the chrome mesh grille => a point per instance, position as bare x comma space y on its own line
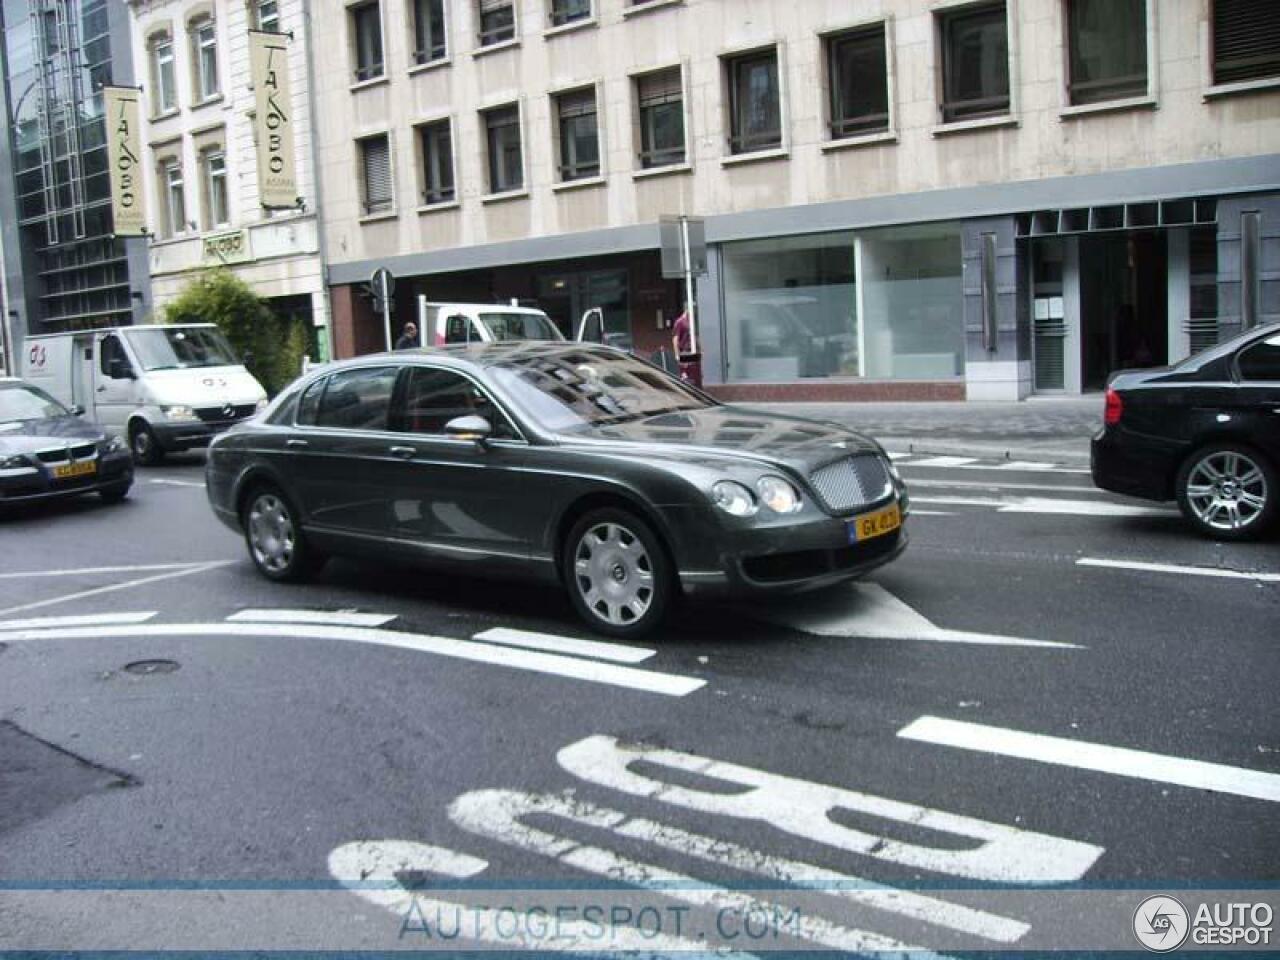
851, 483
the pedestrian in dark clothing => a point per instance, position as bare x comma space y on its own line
408, 337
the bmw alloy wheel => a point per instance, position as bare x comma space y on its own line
1226, 491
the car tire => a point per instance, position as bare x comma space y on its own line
115, 494
143, 444
1228, 491
617, 572
274, 538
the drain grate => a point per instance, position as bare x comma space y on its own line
145, 668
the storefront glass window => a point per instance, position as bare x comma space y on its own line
791, 308
881, 304
912, 302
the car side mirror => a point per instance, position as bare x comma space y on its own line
471, 427
77, 410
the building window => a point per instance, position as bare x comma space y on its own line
436, 140
569, 11
755, 110
216, 209
266, 15
366, 34
1107, 42
1246, 40
175, 204
428, 31
660, 98
579, 134
502, 136
975, 62
375, 168
497, 21
166, 83
204, 54
858, 75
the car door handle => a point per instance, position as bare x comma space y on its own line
296, 444
404, 453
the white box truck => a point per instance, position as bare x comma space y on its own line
444, 323
164, 387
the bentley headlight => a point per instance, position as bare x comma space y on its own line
179, 413
733, 498
778, 495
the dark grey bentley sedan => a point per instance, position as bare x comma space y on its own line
574, 464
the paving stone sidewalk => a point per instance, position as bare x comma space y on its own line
1054, 429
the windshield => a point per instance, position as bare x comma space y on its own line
520, 326
590, 387
28, 403
176, 348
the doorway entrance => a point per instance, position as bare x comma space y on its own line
1123, 304
567, 296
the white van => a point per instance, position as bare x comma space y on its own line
442, 323
164, 387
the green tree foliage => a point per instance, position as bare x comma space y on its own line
273, 345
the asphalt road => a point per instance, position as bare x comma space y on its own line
351, 729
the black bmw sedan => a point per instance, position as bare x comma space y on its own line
1205, 432
47, 451
574, 464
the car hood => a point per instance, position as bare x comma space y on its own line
204, 386
732, 433
30, 435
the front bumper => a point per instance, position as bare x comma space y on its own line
114, 470
175, 437
807, 553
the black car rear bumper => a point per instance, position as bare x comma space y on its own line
1130, 463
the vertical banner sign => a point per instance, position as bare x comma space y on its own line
124, 151
269, 64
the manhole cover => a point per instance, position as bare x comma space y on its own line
147, 667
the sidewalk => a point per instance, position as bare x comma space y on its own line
1052, 429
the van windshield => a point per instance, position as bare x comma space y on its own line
520, 326
177, 348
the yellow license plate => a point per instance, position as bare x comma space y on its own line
875, 524
69, 470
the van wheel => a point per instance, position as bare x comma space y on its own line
145, 447
617, 572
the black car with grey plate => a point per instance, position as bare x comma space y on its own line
570, 463
1205, 432
47, 451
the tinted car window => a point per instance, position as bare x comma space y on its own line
433, 397
358, 399
309, 403
28, 403
1261, 361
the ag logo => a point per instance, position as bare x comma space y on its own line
1160, 923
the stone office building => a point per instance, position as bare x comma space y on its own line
976, 199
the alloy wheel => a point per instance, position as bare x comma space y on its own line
1227, 490
614, 574
271, 534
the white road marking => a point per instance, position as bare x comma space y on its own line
931, 513
1012, 466
177, 483
554, 643
1050, 506
990, 851
1083, 755
82, 571
944, 462
869, 610
496, 814
631, 678
77, 621
346, 618
1172, 568
200, 568
896, 455
1028, 465
370, 870
1000, 485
